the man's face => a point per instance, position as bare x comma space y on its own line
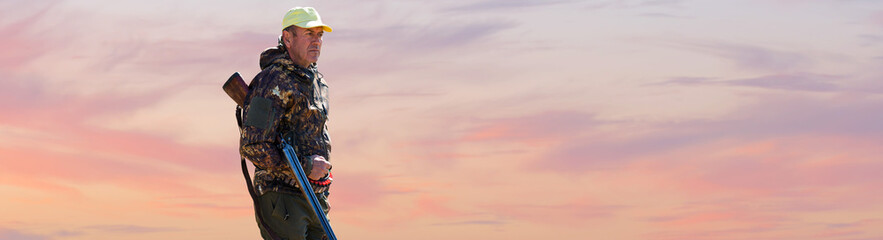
304, 45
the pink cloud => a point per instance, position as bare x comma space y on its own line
128, 228
64, 118
204, 204
57, 145
17, 46
572, 213
877, 18
776, 169
434, 205
353, 191
232, 51
51, 168
765, 188
756, 222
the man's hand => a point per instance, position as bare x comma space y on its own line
320, 167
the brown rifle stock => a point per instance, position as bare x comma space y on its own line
236, 88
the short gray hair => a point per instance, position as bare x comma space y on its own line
289, 29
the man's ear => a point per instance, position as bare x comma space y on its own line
287, 38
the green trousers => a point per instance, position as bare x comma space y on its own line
290, 216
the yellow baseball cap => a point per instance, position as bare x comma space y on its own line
305, 17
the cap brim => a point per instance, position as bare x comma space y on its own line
312, 24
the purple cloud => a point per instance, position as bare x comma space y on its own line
803, 82
490, 5
231, 51
407, 40
754, 57
12, 234
594, 153
543, 125
627, 4
791, 115
796, 82
662, 16
868, 40
773, 116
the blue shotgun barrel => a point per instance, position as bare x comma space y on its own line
307, 188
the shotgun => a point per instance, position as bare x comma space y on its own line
236, 88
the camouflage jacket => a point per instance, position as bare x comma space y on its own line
285, 99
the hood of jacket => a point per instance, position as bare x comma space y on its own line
278, 56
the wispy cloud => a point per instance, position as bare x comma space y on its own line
771, 117
662, 15
358, 191
756, 58
444, 124
490, 5
477, 222
793, 82
566, 214
17, 46
632, 4
134, 229
184, 55
759, 187
805, 82
870, 39
877, 18
410, 40
12, 234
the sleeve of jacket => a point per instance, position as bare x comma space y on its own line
262, 117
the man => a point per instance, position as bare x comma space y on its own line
289, 99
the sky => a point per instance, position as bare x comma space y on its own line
496, 119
